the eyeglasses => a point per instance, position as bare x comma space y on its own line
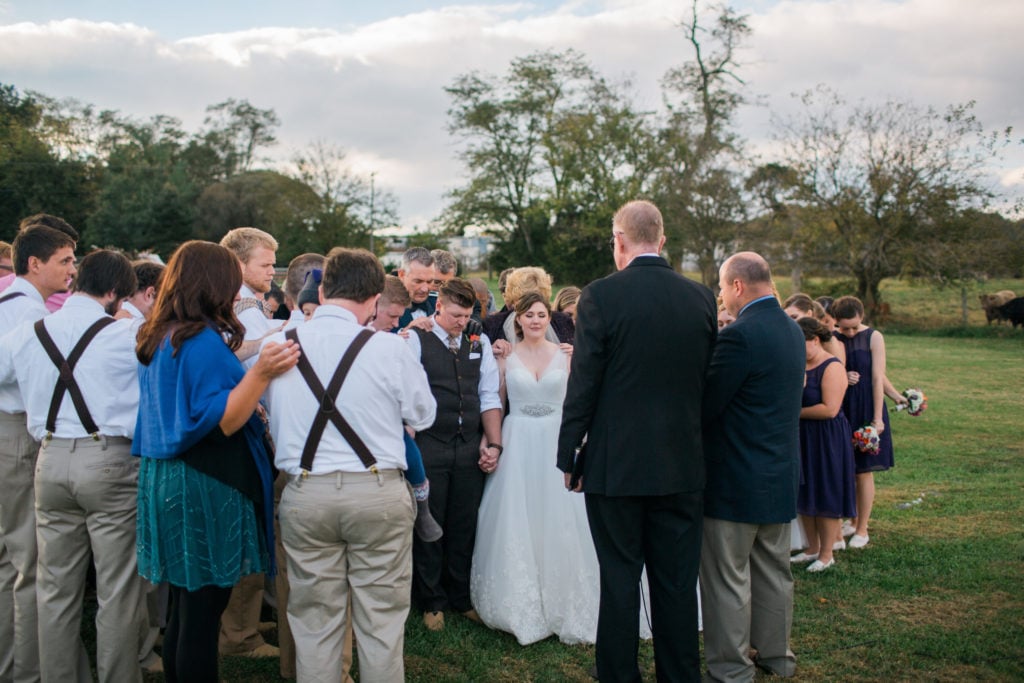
611, 240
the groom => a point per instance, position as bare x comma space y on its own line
643, 343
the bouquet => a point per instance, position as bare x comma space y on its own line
916, 403
866, 440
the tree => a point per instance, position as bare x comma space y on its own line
146, 196
551, 150
892, 178
699, 187
33, 177
235, 130
350, 206
285, 207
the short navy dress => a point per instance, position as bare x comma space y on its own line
859, 405
826, 458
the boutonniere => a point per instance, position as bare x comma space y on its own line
474, 343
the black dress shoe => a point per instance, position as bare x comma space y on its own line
593, 672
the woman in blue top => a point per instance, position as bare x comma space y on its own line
205, 483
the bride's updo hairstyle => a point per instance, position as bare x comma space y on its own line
525, 303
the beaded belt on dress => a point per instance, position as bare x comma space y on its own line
537, 409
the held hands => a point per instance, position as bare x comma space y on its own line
488, 457
276, 359
501, 348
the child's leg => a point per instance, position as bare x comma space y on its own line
426, 526
415, 475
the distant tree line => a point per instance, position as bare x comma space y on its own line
150, 185
862, 190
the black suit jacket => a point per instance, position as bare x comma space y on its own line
752, 418
643, 343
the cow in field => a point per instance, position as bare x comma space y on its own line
991, 303
1013, 311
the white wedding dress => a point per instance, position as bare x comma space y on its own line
535, 572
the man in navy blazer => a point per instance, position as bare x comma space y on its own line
752, 449
642, 347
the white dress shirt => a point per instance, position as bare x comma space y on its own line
487, 387
107, 373
295, 318
385, 387
13, 314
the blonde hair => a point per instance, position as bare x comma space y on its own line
5, 249
567, 297
243, 241
527, 279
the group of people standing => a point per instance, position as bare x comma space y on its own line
396, 442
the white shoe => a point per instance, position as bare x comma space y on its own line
858, 541
848, 529
839, 545
819, 566
802, 557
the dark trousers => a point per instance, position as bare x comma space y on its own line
441, 569
193, 627
663, 532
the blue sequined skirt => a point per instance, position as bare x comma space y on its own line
193, 530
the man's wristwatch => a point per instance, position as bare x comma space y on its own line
496, 445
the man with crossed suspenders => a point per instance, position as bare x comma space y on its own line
78, 376
347, 513
44, 261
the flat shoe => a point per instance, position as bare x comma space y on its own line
819, 566
839, 545
848, 529
858, 541
803, 557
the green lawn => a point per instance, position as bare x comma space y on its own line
935, 596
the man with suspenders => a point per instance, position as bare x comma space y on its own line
347, 513
78, 375
44, 261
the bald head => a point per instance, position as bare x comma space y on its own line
743, 277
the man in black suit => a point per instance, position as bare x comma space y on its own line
643, 343
752, 444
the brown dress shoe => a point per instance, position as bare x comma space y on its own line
434, 621
264, 650
472, 616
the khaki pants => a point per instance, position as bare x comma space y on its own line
746, 591
86, 492
348, 535
18, 614
239, 625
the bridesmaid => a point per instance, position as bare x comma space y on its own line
864, 403
826, 454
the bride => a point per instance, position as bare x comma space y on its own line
534, 570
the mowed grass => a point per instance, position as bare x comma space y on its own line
936, 595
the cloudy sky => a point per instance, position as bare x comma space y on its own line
369, 76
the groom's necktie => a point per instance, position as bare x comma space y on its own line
453, 344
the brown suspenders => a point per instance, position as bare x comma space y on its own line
66, 377
328, 408
13, 295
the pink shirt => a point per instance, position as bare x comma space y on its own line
54, 303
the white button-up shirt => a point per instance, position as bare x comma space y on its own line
487, 387
107, 373
385, 387
14, 313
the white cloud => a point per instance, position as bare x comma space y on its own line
377, 89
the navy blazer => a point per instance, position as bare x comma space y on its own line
643, 343
752, 417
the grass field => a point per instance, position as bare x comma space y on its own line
936, 596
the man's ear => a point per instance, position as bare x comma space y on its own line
150, 293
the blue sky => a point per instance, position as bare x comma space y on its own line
369, 76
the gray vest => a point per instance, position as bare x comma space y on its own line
454, 382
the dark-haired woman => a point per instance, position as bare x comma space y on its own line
205, 488
826, 454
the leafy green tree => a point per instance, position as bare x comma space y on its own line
283, 206
235, 130
33, 177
